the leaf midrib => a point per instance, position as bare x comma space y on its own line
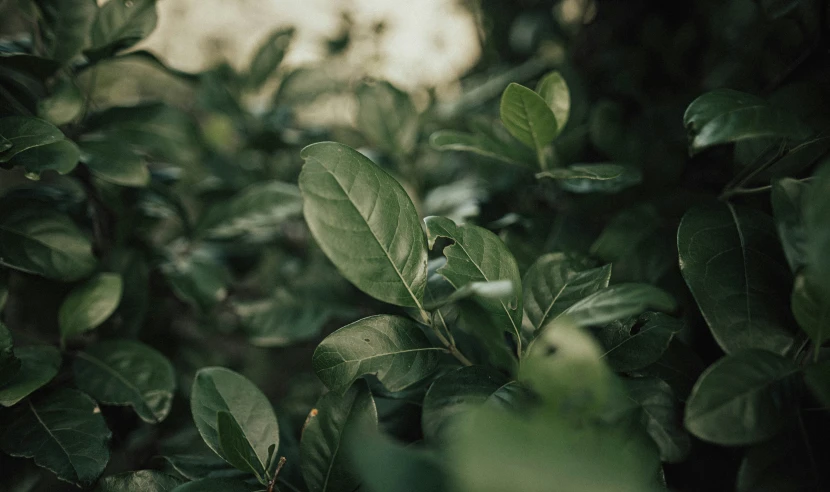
744, 394
54, 438
118, 376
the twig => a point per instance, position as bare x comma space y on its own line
273, 481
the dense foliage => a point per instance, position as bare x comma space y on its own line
604, 266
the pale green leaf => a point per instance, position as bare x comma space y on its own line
139, 481
527, 117
90, 304
554, 90
594, 178
619, 301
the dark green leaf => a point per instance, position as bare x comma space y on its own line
817, 227
554, 283
64, 26
527, 117
9, 363
387, 117
779, 8
283, 320
481, 144
592, 178
787, 197
5, 144
64, 105
90, 304
365, 223
817, 377
236, 448
637, 342
731, 260
661, 415
215, 390
811, 311
478, 255
64, 433
61, 156
25, 133
554, 90
325, 463
119, 25
216, 485
782, 464
743, 398
268, 57
197, 277
114, 163
385, 465
725, 115
679, 366
139, 481
452, 396
619, 301
255, 214
38, 365
390, 347
125, 372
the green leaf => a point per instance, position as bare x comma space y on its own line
139, 481
125, 372
365, 223
817, 227
390, 347
120, 24
554, 90
454, 395
387, 117
64, 433
255, 214
679, 366
64, 105
638, 342
5, 144
725, 115
25, 133
619, 301
64, 26
731, 260
236, 448
817, 377
660, 414
545, 452
385, 465
784, 463
46, 244
527, 117
90, 304
61, 156
478, 255
811, 312
215, 390
325, 463
743, 398
216, 485
38, 365
114, 163
482, 144
787, 197
9, 363
268, 57
197, 277
283, 320
594, 178
554, 283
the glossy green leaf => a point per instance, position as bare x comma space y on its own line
365, 223
25, 133
64, 104
268, 57
731, 260
64, 433
215, 390
661, 416
236, 448
619, 301
61, 156
387, 117
725, 115
478, 255
527, 117
452, 396
45, 244
282, 320
594, 178
551, 454
390, 347
637, 342
787, 197
9, 363
743, 398
126, 372
482, 144
554, 283
386, 465
325, 462
554, 90
64, 26
120, 24
811, 311
90, 304
197, 277
255, 214
139, 481
114, 163
38, 365
216, 485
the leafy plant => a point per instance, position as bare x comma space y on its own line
572, 295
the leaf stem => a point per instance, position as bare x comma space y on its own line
273, 481
450, 346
